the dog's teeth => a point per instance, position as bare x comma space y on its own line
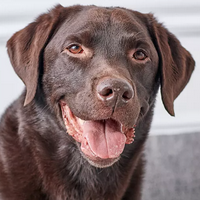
80, 121
122, 128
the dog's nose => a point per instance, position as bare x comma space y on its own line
114, 91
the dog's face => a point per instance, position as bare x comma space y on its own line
100, 73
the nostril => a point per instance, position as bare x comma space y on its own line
126, 96
106, 92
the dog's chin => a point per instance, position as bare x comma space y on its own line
102, 163
100, 142
98, 162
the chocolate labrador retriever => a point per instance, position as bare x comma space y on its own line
78, 130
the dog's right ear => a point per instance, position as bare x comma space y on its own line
176, 63
26, 46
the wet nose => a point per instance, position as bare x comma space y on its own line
114, 91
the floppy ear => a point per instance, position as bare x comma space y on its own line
176, 63
26, 46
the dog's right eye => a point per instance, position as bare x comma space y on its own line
75, 49
140, 55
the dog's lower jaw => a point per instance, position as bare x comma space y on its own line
98, 162
104, 163
100, 142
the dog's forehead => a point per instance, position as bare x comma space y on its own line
102, 15
99, 18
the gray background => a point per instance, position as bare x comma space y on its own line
174, 144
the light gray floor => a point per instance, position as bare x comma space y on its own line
173, 167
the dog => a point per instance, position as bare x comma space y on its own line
78, 130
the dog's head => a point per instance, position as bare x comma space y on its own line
99, 70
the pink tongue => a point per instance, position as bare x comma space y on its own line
103, 139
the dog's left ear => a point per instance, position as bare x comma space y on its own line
176, 63
25, 48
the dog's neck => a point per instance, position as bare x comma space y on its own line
70, 166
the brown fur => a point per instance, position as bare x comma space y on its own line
38, 159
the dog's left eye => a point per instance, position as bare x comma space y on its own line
75, 49
140, 55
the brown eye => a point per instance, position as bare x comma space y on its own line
75, 49
139, 55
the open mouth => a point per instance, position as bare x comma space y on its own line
101, 141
